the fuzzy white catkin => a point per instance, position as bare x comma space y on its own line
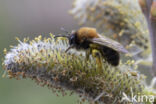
46, 62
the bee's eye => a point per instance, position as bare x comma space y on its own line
72, 39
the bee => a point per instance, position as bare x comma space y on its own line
88, 38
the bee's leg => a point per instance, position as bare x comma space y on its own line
88, 52
96, 53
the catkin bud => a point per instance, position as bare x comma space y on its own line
142, 4
153, 11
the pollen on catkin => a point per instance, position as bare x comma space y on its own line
121, 20
45, 61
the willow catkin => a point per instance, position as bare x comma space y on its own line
121, 20
45, 61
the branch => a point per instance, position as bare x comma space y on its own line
149, 9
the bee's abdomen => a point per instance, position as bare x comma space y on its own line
111, 56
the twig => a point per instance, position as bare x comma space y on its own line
146, 9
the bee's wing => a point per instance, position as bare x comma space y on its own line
104, 41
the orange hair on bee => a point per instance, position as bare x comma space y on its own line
86, 32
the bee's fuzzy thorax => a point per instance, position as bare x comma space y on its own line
87, 32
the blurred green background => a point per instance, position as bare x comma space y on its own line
30, 18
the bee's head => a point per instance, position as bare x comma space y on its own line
72, 37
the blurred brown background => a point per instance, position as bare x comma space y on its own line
30, 18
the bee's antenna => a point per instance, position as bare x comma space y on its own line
61, 35
63, 29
